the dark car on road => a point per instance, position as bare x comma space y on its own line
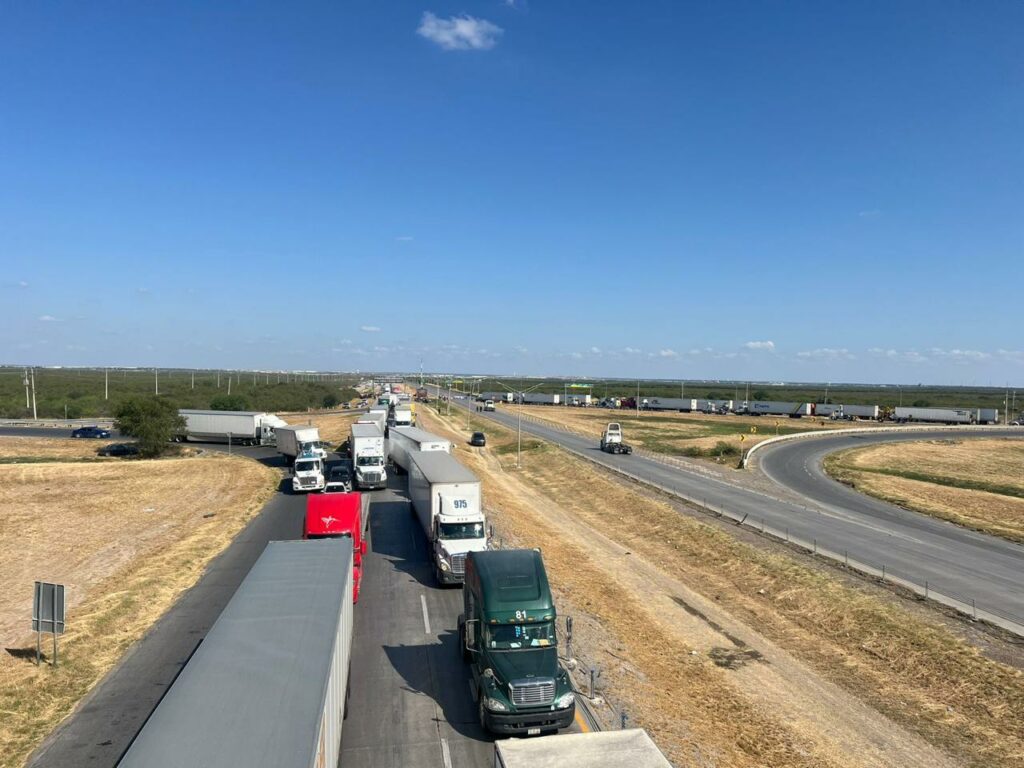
119, 449
339, 481
478, 439
91, 432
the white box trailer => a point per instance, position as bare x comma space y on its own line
987, 416
240, 427
498, 397
777, 408
933, 415
378, 418
292, 441
403, 441
447, 500
403, 416
539, 398
369, 456
666, 404
631, 748
266, 687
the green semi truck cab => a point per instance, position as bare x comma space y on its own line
507, 634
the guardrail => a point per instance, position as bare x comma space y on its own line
56, 423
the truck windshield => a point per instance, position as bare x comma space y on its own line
328, 535
512, 637
461, 530
369, 461
305, 466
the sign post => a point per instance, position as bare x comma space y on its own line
47, 615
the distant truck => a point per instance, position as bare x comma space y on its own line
446, 498
776, 408
611, 440
488, 405
239, 427
631, 748
366, 444
403, 416
267, 685
309, 473
336, 516
538, 398
404, 441
422, 395
507, 634
904, 415
293, 441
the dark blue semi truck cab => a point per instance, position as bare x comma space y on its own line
507, 634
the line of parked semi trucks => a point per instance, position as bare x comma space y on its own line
899, 414
269, 684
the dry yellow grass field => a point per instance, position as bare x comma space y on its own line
977, 483
51, 448
825, 673
112, 531
334, 427
695, 435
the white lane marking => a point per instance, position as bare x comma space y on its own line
426, 618
446, 755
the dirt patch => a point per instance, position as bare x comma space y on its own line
977, 483
842, 678
126, 538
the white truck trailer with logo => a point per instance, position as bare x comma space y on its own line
292, 441
369, 456
631, 748
776, 408
267, 686
404, 441
447, 500
239, 427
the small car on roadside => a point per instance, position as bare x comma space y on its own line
91, 432
479, 439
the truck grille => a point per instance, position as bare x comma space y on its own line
459, 564
371, 477
307, 481
528, 693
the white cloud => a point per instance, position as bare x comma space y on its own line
369, 329
22, 284
870, 214
595, 350
521, 350
404, 238
826, 353
633, 351
960, 355
142, 291
48, 319
576, 355
459, 33
768, 346
667, 353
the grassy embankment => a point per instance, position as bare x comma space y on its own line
127, 537
977, 483
913, 671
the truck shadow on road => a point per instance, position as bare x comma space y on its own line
396, 535
436, 669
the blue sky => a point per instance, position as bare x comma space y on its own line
801, 191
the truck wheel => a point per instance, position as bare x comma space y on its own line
481, 712
462, 640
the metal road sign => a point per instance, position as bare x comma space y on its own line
48, 608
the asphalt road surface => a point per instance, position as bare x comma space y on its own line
958, 562
411, 703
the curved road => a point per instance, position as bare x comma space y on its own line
963, 565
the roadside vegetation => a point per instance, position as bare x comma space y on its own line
735, 654
977, 483
127, 537
81, 390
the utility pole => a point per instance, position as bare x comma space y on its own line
24, 380
193, 379
156, 381
218, 379
638, 397
32, 373
106, 384
229, 384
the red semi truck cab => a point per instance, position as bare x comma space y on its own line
333, 515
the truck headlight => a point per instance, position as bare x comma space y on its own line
495, 705
565, 700
443, 565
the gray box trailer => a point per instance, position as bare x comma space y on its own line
666, 403
240, 427
538, 398
403, 441
266, 687
379, 418
934, 415
631, 748
987, 416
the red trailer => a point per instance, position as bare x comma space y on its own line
332, 516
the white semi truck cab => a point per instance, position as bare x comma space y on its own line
309, 473
368, 457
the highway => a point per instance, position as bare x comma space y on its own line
955, 561
411, 703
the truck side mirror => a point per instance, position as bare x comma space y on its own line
471, 634
362, 547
